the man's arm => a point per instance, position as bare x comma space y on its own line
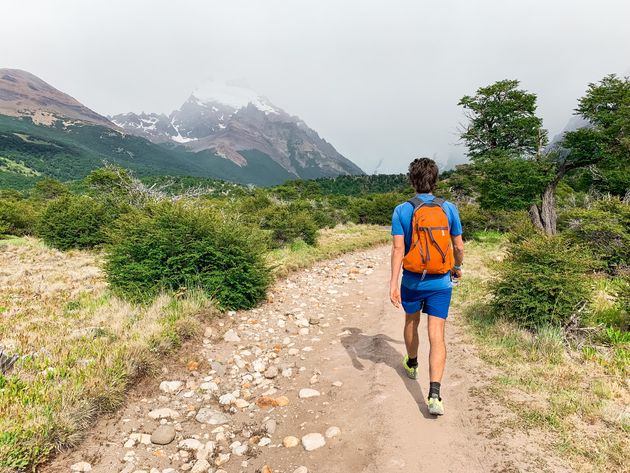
398, 252
458, 253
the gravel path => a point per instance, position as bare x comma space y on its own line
308, 382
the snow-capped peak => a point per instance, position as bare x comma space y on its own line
233, 96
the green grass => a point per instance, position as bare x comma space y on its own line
575, 393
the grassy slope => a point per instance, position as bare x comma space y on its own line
87, 346
68, 153
579, 397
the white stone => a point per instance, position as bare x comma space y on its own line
163, 413
210, 386
263, 442
231, 336
81, 466
190, 444
210, 416
332, 432
306, 393
227, 399
313, 441
290, 441
201, 466
170, 387
301, 469
259, 365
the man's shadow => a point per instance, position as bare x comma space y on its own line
377, 349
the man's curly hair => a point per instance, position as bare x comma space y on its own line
423, 175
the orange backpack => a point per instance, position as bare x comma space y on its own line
430, 251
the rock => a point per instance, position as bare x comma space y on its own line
306, 393
222, 459
208, 332
281, 401
239, 450
263, 442
210, 386
313, 441
313, 320
170, 387
270, 426
266, 469
81, 466
231, 336
241, 403
227, 399
210, 416
301, 469
189, 444
163, 435
271, 372
290, 441
337, 384
332, 432
294, 351
259, 365
163, 413
201, 466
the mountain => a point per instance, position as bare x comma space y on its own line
24, 95
45, 132
234, 123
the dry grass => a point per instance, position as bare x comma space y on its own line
579, 403
332, 243
81, 347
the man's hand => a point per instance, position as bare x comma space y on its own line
457, 273
394, 296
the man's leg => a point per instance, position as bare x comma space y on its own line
437, 348
411, 334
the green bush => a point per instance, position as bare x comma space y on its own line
75, 222
542, 282
604, 229
17, 217
287, 224
375, 209
476, 220
170, 246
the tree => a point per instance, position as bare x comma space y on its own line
605, 144
502, 116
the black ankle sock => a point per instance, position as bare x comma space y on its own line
412, 362
434, 389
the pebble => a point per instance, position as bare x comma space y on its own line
201, 466
301, 469
270, 426
170, 387
163, 413
332, 432
81, 467
313, 441
189, 444
306, 393
163, 435
290, 441
231, 336
337, 384
271, 372
210, 416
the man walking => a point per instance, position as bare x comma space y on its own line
427, 243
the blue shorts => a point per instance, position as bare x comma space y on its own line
434, 303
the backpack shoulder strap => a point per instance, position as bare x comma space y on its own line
439, 201
416, 202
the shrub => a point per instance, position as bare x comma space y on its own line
375, 209
604, 229
475, 220
542, 282
75, 222
287, 224
17, 217
169, 246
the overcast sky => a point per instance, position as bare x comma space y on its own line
380, 80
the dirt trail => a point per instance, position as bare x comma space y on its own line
326, 325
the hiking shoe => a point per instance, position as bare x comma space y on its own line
436, 406
411, 372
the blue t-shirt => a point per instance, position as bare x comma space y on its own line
401, 225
